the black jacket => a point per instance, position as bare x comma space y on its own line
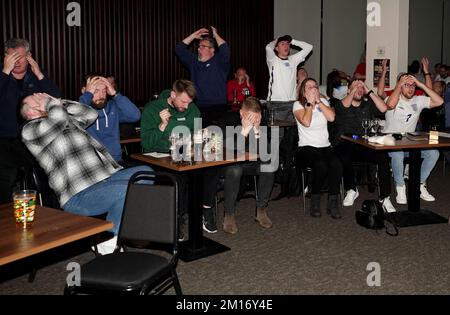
11, 93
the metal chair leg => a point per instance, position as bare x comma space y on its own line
255, 182
303, 192
32, 275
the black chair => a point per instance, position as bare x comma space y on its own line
150, 218
38, 180
305, 172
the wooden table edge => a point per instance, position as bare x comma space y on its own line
63, 241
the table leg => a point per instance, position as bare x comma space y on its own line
197, 246
415, 162
415, 215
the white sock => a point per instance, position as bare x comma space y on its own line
108, 246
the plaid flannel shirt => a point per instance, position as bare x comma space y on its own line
71, 158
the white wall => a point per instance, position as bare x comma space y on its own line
390, 39
301, 20
345, 31
344, 35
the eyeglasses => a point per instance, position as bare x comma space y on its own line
412, 86
204, 46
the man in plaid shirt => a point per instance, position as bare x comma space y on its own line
85, 177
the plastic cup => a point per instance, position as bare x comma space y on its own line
24, 207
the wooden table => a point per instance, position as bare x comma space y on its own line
197, 246
51, 228
131, 139
415, 215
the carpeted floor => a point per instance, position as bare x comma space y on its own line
299, 255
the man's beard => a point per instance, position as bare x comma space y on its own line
100, 103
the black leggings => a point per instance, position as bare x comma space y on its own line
325, 164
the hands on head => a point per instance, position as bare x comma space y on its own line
198, 34
10, 60
14, 59
250, 119
312, 95
358, 84
408, 80
95, 83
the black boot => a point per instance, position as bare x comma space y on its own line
315, 206
333, 208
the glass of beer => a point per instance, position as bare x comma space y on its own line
24, 207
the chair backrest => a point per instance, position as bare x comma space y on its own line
151, 208
37, 179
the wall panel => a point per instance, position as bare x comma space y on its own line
135, 39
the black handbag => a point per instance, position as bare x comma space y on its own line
372, 216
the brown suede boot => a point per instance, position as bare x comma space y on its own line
229, 224
262, 218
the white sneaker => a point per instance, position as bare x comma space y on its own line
406, 172
401, 195
350, 197
387, 205
107, 247
424, 194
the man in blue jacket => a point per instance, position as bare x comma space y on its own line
21, 76
118, 109
209, 71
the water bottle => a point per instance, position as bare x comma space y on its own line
235, 100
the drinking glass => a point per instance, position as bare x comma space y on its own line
365, 125
24, 207
375, 125
174, 146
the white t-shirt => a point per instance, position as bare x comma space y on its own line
283, 73
404, 117
316, 135
446, 80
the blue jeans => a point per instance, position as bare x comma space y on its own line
107, 196
430, 158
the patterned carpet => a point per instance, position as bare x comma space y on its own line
299, 255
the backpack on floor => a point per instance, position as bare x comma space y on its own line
372, 216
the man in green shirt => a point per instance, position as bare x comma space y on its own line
172, 108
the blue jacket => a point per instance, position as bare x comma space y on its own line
11, 94
210, 77
106, 128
